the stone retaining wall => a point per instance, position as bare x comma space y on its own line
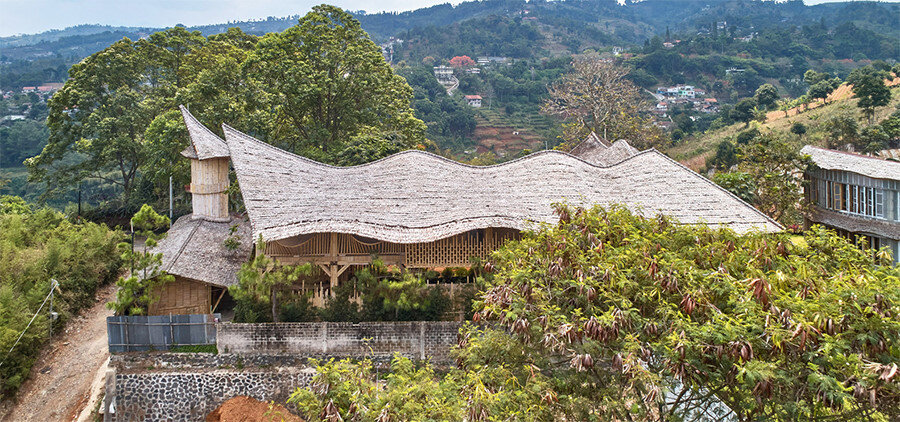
190, 396
417, 340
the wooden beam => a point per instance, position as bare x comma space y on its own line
334, 246
324, 268
221, 295
334, 279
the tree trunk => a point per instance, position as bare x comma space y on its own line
274, 305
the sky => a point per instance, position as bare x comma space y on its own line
33, 16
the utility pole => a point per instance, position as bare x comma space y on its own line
170, 201
53, 286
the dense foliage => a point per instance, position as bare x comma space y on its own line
271, 291
611, 316
35, 246
116, 119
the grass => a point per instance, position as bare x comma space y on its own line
694, 151
203, 348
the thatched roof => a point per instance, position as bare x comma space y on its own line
873, 167
591, 143
204, 143
414, 196
606, 156
856, 224
195, 249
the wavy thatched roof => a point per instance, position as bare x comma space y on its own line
598, 151
873, 167
414, 196
204, 143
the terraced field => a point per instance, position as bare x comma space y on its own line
503, 134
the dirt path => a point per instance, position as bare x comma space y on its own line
61, 380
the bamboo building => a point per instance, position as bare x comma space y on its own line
412, 209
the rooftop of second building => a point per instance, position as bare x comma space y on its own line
874, 167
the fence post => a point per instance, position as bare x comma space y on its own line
125, 335
324, 337
422, 340
171, 333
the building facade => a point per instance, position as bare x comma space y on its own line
856, 195
413, 210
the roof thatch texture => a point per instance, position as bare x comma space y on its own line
414, 196
195, 249
856, 224
204, 143
873, 167
607, 156
591, 143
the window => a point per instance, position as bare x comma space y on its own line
879, 203
853, 199
839, 203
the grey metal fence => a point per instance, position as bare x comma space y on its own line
159, 332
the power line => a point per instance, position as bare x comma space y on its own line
26, 327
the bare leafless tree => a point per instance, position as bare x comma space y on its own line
597, 97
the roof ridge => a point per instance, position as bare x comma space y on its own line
852, 154
184, 244
236, 132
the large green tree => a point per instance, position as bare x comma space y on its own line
320, 88
99, 119
870, 90
325, 82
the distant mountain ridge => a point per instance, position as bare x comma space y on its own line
648, 17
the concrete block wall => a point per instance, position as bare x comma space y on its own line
417, 340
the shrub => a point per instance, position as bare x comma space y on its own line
35, 246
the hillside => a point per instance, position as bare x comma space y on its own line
694, 152
631, 23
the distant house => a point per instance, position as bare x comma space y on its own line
484, 61
473, 100
50, 87
27, 89
664, 124
679, 91
668, 45
856, 195
662, 107
443, 72
473, 71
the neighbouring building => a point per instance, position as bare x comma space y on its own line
679, 91
473, 100
413, 209
443, 73
856, 195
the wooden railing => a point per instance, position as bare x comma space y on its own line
454, 251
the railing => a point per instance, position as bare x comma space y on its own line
159, 332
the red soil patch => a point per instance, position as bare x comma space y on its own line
247, 409
504, 139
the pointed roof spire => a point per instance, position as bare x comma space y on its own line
204, 143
